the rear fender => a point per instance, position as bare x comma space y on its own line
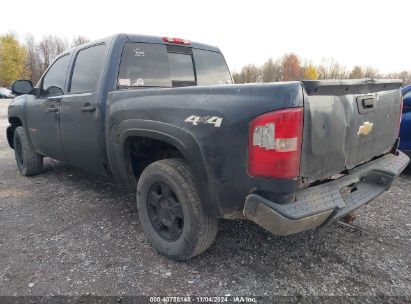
175, 136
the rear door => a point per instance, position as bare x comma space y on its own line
43, 111
80, 112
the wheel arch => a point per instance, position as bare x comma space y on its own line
180, 139
14, 123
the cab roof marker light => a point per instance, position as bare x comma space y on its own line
176, 40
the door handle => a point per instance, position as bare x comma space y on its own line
52, 109
54, 98
88, 108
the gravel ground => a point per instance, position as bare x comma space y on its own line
70, 233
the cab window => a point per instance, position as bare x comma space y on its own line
87, 69
53, 81
211, 68
144, 65
159, 65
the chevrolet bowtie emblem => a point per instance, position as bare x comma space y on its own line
365, 128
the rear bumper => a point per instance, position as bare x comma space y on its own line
328, 202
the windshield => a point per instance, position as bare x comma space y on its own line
158, 65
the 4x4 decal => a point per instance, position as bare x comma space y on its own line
212, 120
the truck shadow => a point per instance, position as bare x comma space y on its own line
407, 170
81, 179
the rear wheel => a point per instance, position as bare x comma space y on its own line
28, 162
170, 212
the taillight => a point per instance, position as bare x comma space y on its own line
275, 144
176, 40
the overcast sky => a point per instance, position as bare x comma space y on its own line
353, 32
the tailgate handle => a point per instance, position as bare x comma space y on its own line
368, 102
365, 104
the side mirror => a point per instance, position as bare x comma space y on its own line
54, 91
20, 87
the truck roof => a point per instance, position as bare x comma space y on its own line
148, 39
139, 38
158, 39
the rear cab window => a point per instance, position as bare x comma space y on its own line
159, 65
211, 68
181, 69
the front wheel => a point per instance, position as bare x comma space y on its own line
170, 212
28, 161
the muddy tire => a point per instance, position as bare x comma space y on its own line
28, 162
170, 212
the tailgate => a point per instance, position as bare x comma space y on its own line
347, 123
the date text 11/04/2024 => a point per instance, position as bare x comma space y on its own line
203, 299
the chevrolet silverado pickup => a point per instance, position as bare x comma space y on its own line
161, 115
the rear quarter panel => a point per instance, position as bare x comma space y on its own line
216, 154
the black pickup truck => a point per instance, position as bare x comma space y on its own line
163, 116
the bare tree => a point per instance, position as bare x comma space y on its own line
249, 74
405, 76
271, 71
79, 40
329, 68
236, 77
49, 48
33, 63
40, 55
370, 72
356, 72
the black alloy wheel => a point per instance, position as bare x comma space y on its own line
165, 212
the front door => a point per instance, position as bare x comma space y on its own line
80, 113
43, 111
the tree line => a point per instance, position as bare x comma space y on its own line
30, 58
290, 67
